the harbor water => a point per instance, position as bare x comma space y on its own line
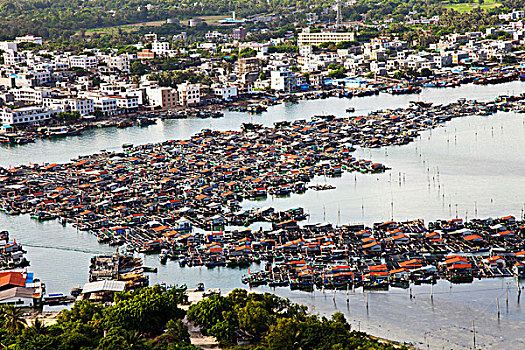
470, 167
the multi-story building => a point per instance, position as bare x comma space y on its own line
262, 48
102, 103
127, 103
215, 36
25, 115
514, 15
247, 65
8, 45
84, 106
306, 37
283, 80
30, 96
189, 94
119, 62
145, 55
224, 91
29, 39
83, 61
11, 58
239, 33
160, 47
162, 97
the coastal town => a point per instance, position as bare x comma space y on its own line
51, 94
194, 202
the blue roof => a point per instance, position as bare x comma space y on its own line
29, 277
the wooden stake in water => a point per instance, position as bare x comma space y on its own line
507, 298
431, 291
473, 335
519, 289
497, 301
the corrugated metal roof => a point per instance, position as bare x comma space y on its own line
104, 286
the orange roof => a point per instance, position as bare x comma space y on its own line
495, 258
460, 266
400, 236
370, 245
377, 267
472, 237
431, 234
455, 259
410, 263
12, 279
378, 273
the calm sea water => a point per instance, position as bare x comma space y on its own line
470, 167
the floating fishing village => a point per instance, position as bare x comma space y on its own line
181, 199
262, 175
254, 104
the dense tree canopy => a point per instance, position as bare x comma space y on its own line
270, 322
145, 319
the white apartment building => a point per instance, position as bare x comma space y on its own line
261, 48
30, 96
283, 80
84, 106
224, 91
162, 97
514, 15
127, 103
11, 58
8, 45
306, 50
40, 76
29, 39
160, 47
119, 62
83, 61
189, 94
106, 104
306, 37
25, 115
110, 89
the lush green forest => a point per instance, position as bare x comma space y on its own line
60, 19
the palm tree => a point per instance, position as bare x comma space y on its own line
38, 327
134, 340
13, 319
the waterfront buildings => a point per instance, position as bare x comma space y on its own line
10, 116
